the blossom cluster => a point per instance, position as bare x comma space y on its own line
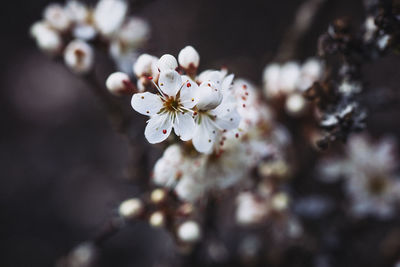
74, 28
290, 80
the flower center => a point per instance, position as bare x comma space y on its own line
172, 104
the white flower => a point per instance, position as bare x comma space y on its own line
119, 83
189, 58
109, 16
171, 108
170, 167
189, 231
289, 76
167, 62
214, 114
311, 71
47, 39
79, 56
57, 17
131, 208
146, 65
134, 32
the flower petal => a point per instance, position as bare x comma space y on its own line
184, 126
204, 135
189, 96
170, 82
158, 128
228, 121
146, 103
227, 83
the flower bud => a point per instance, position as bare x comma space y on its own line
145, 65
289, 76
158, 196
109, 16
189, 58
47, 39
134, 32
167, 62
157, 219
271, 80
79, 56
131, 208
57, 17
189, 232
77, 11
295, 104
119, 83
209, 96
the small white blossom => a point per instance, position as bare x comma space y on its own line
109, 16
146, 65
134, 32
157, 219
189, 58
295, 104
79, 56
131, 208
77, 11
168, 109
250, 209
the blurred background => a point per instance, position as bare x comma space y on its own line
63, 168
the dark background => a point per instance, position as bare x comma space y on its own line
62, 166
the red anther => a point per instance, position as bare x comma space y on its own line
244, 105
244, 86
244, 98
164, 131
237, 135
150, 77
195, 113
246, 93
188, 85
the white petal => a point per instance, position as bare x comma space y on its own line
228, 121
188, 57
170, 82
226, 83
209, 96
158, 128
189, 96
146, 103
184, 126
167, 62
204, 135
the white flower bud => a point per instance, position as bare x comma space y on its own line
189, 58
189, 232
209, 96
289, 76
47, 39
158, 195
119, 83
84, 32
131, 208
167, 62
109, 16
57, 17
79, 56
295, 104
157, 219
145, 65
280, 202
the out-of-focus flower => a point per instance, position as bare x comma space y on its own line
57, 17
47, 39
250, 209
109, 16
79, 56
131, 208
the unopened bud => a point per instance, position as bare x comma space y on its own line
209, 96
189, 232
158, 196
79, 56
157, 219
167, 62
295, 104
145, 65
47, 39
131, 208
189, 58
119, 83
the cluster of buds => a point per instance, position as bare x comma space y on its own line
286, 83
72, 30
161, 209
